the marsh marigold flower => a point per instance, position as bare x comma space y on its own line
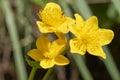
89, 37
53, 19
49, 54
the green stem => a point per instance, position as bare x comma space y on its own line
48, 74
110, 65
82, 67
66, 8
83, 8
32, 73
117, 5
20, 7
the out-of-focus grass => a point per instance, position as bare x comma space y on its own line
69, 7
11, 25
117, 5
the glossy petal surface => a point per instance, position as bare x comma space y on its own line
36, 54
61, 60
89, 37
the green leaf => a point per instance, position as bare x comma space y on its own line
32, 63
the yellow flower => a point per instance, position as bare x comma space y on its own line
63, 37
49, 54
53, 19
89, 37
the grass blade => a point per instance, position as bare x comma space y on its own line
19, 62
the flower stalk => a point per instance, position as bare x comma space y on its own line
32, 73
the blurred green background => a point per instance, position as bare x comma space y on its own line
18, 33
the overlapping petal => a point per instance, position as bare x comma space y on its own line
43, 27
47, 63
64, 27
61, 60
57, 47
36, 54
43, 43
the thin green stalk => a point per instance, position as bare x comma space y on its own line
28, 37
20, 6
117, 5
82, 67
32, 73
110, 65
109, 62
19, 61
83, 8
66, 8
47, 75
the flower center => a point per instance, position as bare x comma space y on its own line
52, 16
48, 55
85, 41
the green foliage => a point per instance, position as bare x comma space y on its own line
33, 64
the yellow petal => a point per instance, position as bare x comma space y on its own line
35, 54
96, 50
75, 30
60, 35
47, 63
43, 27
92, 20
79, 20
57, 47
77, 46
105, 36
43, 43
52, 14
64, 26
51, 5
61, 60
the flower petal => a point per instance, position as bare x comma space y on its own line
105, 36
43, 43
43, 27
35, 54
47, 63
60, 35
74, 30
52, 6
57, 47
92, 20
77, 46
96, 50
61, 60
77, 28
79, 20
64, 26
